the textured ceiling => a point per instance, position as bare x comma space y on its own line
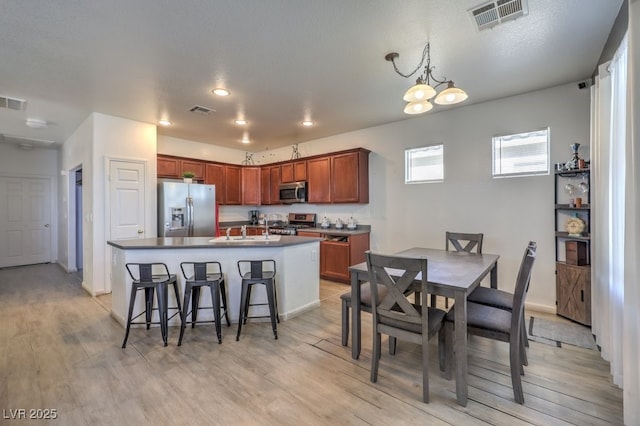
282, 60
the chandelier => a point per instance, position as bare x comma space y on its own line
418, 96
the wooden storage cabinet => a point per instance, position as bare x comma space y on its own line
295, 171
339, 178
573, 292
173, 167
197, 167
573, 252
250, 186
215, 175
168, 167
338, 252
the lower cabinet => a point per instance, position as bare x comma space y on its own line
338, 252
573, 292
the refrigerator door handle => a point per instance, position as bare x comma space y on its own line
190, 216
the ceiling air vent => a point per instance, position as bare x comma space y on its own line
11, 103
201, 110
488, 15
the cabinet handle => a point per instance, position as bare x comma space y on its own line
582, 296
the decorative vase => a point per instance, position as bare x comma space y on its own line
573, 163
188, 180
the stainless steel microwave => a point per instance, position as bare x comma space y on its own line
294, 192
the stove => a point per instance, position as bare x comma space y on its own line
296, 221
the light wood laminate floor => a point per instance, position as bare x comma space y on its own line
60, 349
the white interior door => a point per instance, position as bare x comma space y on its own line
127, 195
25, 221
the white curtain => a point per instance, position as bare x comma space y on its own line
631, 320
615, 136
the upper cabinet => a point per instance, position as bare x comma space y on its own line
173, 167
251, 186
319, 180
215, 175
350, 177
294, 171
341, 177
197, 167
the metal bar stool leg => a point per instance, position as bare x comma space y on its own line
183, 313
195, 305
223, 291
272, 306
243, 308
215, 300
132, 302
162, 292
148, 297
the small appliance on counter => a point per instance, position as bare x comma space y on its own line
253, 216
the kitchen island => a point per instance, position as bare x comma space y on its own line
297, 270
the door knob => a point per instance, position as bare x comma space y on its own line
140, 231
46, 225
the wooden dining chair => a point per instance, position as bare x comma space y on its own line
502, 300
460, 241
398, 318
498, 324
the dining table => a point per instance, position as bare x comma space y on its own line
452, 274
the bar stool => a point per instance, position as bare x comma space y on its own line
257, 272
143, 278
197, 275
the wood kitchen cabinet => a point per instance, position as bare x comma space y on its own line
215, 175
338, 252
294, 171
319, 180
197, 167
350, 177
173, 167
251, 186
339, 178
168, 167
233, 181
228, 182
573, 292
270, 185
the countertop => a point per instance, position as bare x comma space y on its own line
203, 242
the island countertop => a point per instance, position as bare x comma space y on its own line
205, 242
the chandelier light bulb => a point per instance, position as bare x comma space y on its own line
418, 107
419, 92
451, 95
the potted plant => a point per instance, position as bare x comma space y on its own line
188, 177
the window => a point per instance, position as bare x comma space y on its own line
424, 164
521, 154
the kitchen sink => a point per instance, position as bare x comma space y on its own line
248, 239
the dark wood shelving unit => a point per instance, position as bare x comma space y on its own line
573, 281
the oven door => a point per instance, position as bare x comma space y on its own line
295, 192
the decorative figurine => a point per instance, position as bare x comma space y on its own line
574, 162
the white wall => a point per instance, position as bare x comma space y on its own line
98, 139
509, 212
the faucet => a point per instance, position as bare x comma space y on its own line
243, 230
266, 227
228, 233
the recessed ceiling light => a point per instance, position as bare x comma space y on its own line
240, 122
34, 123
307, 123
164, 122
220, 91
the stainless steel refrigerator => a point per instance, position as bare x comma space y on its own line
186, 210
